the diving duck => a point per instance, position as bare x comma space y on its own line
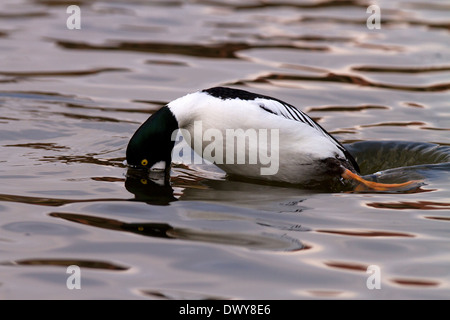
246, 134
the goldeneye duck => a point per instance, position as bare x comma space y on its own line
246, 134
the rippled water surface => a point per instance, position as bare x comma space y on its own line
71, 99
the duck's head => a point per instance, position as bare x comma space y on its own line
152, 144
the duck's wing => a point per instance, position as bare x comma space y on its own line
288, 111
279, 108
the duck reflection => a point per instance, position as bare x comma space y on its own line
153, 188
157, 188
265, 241
158, 230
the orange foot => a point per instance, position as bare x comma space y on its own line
376, 186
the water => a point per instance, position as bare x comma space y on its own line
71, 99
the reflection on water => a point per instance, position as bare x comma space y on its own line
163, 230
369, 233
373, 156
71, 99
150, 191
341, 78
416, 282
66, 263
421, 205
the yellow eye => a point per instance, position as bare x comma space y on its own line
144, 162
144, 181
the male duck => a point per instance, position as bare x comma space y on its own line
301, 151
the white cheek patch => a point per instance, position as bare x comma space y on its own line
159, 166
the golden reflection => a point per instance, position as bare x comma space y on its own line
347, 266
420, 205
366, 233
416, 282
341, 78
438, 218
93, 264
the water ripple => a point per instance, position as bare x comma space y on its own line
91, 264
352, 266
415, 282
419, 205
66, 73
220, 50
366, 233
343, 78
407, 70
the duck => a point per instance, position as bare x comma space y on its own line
247, 135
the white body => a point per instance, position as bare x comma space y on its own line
298, 148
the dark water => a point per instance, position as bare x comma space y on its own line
71, 99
